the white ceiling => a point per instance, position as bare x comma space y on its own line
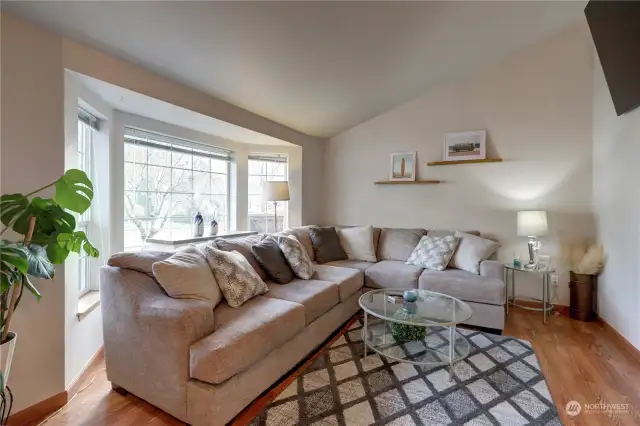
146, 106
318, 67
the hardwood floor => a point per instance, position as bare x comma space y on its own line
585, 362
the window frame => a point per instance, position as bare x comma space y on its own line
85, 153
186, 147
266, 158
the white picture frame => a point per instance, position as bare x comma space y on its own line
465, 146
402, 166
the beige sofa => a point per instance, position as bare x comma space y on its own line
205, 365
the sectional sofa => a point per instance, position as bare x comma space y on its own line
204, 365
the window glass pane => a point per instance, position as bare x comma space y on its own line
255, 204
202, 183
255, 185
180, 227
159, 179
134, 233
135, 177
181, 160
201, 163
181, 205
261, 216
256, 167
219, 184
159, 204
135, 204
135, 153
219, 166
159, 157
181, 180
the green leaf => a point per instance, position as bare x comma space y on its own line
13, 257
32, 288
11, 206
39, 264
74, 191
57, 254
5, 282
77, 241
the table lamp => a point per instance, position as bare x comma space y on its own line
275, 191
532, 224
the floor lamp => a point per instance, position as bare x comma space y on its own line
275, 191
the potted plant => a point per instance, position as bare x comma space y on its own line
48, 234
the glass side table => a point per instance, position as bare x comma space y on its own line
510, 281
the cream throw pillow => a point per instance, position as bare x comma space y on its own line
471, 251
237, 280
187, 275
433, 253
357, 242
296, 256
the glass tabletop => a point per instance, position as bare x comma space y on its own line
430, 308
523, 268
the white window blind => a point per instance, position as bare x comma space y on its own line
168, 180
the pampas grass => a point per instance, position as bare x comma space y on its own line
585, 258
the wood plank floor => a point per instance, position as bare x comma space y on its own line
585, 362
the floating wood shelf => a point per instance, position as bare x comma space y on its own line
449, 163
406, 182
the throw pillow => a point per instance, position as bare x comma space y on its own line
326, 244
270, 257
186, 275
398, 243
141, 261
471, 251
433, 253
297, 257
357, 242
243, 246
237, 280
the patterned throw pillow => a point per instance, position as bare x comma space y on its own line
433, 253
297, 257
237, 280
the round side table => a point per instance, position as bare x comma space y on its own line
510, 281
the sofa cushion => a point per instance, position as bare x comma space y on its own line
141, 261
187, 275
471, 251
392, 274
272, 260
244, 336
326, 244
348, 280
243, 246
464, 285
316, 296
357, 242
237, 280
433, 252
397, 243
353, 264
297, 257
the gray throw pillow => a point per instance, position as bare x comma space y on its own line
271, 259
243, 246
433, 253
398, 243
326, 244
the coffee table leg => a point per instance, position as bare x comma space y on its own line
452, 349
364, 335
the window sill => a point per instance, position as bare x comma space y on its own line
87, 303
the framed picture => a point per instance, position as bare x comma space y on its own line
465, 146
403, 166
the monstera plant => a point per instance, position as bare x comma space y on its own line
47, 229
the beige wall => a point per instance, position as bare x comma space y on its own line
616, 151
536, 107
32, 148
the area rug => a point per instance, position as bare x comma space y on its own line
499, 383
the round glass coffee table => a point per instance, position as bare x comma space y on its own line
421, 333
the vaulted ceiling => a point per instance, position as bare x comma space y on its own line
318, 67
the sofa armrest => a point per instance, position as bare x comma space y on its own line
492, 269
147, 336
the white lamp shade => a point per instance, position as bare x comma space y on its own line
275, 191
532, 223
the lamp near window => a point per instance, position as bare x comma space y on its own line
275, 191
532, 224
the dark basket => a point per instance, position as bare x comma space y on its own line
583, 296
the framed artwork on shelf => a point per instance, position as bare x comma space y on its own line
465, 146
403, 166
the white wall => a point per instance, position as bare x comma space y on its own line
536, 107
616, 151
32, 148
83, 338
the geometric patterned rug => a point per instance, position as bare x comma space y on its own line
499, 383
